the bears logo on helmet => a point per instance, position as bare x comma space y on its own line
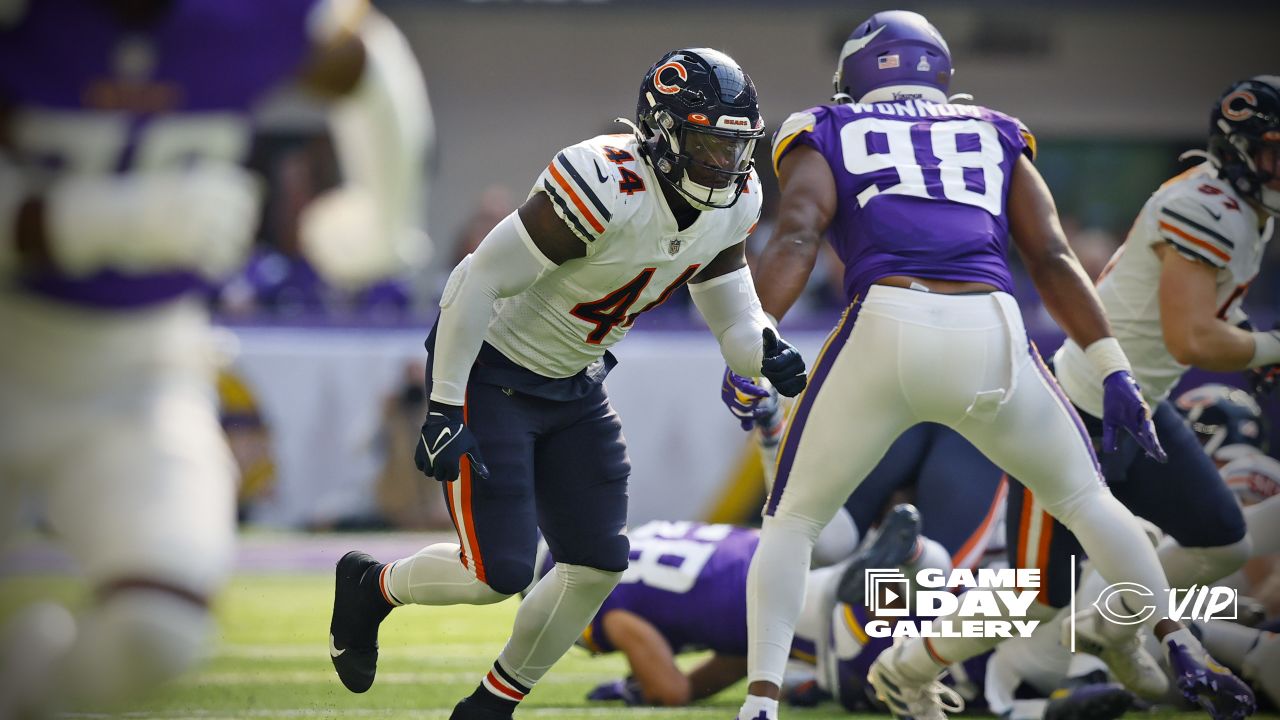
698, 120
1243, 122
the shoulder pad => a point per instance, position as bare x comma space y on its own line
793, 127
582, 187
1201, 220
1029, 138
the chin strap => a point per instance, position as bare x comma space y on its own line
1204, 154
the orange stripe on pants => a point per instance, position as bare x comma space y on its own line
1042, 557
1024, 529
981, 533
464, 477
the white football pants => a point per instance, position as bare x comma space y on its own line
960, 360
108, 420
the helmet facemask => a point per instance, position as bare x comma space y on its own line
708, 166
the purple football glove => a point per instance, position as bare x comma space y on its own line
742, 397
627, 690
1123, 407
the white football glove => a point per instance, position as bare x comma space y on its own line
200, 219
350, 243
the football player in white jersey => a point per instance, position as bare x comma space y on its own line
122, 197
519, 431
1173, 293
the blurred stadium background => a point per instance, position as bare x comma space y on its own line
321, 392
321, 395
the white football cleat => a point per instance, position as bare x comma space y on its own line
1121, 648
907, 699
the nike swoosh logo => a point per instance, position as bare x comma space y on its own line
440, 444
333, 648
1216, 215
600, 173
856, 44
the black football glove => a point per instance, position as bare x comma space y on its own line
783, 365
443, 442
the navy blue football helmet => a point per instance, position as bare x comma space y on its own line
893, 55
698, 121
1227, 420
1243, 123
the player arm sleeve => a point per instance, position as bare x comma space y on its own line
731, 309
505, 263
1188, 226
583, 190
369, 228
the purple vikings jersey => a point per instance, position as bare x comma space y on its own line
921, 187
689, 580
88, 94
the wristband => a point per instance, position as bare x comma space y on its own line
1107, 357
1266, 349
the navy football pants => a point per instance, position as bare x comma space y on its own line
558, 465
1186, 498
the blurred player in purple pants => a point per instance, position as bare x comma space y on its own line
122, 197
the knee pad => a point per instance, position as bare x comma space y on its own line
508, 575
134, 640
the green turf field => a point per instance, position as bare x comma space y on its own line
272, 662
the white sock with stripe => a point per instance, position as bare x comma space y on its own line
550, 619
435, 576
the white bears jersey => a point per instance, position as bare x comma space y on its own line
1203, 218
607, 194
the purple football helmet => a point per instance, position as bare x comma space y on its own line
894, 55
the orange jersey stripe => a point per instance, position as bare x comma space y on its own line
577, 201
1195, 241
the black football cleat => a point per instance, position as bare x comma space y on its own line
358, 609
469, 709
893, 545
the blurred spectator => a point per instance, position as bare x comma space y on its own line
406, 499
495, 202
278, 280
1094, 246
